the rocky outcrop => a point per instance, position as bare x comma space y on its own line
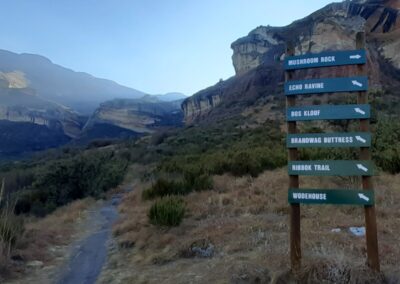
333, 27
22, 105
199, 106
137, 115
229, 98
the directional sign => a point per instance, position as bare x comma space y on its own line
325, 59
326, 85
349, 139
331, 196
319, 112
330, 168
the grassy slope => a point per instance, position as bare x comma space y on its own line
246, 220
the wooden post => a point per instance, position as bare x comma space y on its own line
295, 235
365, 154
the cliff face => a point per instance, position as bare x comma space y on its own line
22, 105
331, 28
136, 115
256, 56
29, 123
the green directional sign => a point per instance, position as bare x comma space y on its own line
331, 196
348, 139
325, 59
323, 112
330, 168
326, 85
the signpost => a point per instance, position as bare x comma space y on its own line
326, 59
319, 112
362, 139
330, 168
350, 139
330, 85
331, 196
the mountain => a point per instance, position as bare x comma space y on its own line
77, 90
170, 97
132, 117
29, 123
63, 106
256, 89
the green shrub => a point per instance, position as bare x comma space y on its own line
163, 187
386, 145
201, 182
244, 163
167, 211
61, 181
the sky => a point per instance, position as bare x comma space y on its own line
155, 46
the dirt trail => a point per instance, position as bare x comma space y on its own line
89, 255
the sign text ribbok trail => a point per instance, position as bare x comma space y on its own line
330, 168
362, 168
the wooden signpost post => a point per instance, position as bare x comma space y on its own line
362, 139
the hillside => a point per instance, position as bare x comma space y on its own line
256, 85
74, 105
78, 90
30, 123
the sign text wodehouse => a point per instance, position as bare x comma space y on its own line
331, 196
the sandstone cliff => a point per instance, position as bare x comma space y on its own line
142, 115
23, 105
256, 56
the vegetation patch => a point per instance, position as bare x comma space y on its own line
167, 211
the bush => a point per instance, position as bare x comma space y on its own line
193, 180
386, 145
62, 181
167, 211
163, 187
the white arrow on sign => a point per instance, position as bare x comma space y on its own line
357, 56
356, 83
363, 196
357, 109
361, 167
362, 140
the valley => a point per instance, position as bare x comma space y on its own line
85, 109
102, 183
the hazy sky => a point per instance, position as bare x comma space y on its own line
155, 46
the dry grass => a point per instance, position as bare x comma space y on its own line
55, 229
246, 219
42, 235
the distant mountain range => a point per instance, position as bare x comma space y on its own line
77, 90
64, 105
